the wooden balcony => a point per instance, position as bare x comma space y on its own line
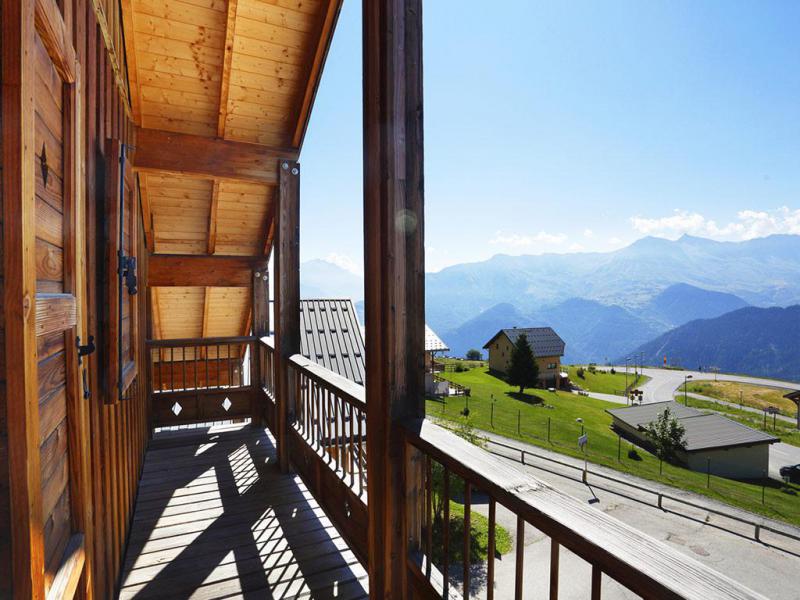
173, 133
216, 518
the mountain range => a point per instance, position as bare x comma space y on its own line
596, 332
603, 304
756, 341
762, 272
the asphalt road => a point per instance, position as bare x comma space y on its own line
665, 382
720, 543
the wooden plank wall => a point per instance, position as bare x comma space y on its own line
5, 546
51, 348
118, 432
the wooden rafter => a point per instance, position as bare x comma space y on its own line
158, 333
130, 57
147, 214
225, 80
204, 330
270, 237
170, 270
317, 59
212, 218
248, 323
208, 158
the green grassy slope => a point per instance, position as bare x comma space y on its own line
527, 417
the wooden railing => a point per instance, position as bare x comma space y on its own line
331, 416
327, 440
642, 564
200, 379
267, 374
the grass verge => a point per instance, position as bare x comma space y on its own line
754, 396
479, 537
549, 420
603, 381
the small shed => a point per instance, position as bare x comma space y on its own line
433, 344
713, 442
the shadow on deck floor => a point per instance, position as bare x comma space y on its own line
215, 518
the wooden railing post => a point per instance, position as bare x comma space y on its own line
394, 278
260, 329
287, 297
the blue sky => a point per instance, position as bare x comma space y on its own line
575, 126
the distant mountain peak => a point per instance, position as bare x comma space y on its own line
770, 348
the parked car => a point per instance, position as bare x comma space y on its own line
791, 472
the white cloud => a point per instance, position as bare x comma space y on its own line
748, 224
345, 262
615, 241
516, 240
576, 247
588, 233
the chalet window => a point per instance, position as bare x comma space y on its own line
121, 286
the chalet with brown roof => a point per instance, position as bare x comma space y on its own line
547, 346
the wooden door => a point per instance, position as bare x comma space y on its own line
59, 321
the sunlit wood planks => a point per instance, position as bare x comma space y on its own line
244, 70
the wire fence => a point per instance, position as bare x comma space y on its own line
611, 449
659, 497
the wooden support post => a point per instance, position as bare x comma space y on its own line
260, 329
287, 296
19, 274
554, 552
394, 276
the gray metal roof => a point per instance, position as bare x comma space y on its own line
544, 341
433, 343
330, 335
704, 431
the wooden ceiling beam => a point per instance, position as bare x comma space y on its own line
317, 61
208, 158
225, 80
171, 270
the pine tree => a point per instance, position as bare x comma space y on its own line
523, 371
667, 435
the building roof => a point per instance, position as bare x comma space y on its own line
433, 343
704, 431
544, 341
330, 335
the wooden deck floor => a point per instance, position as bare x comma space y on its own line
215, 518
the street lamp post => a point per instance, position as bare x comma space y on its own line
627, 360
686, 379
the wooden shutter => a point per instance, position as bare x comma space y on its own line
121, 242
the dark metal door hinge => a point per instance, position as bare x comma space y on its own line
85, 351
127, 270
